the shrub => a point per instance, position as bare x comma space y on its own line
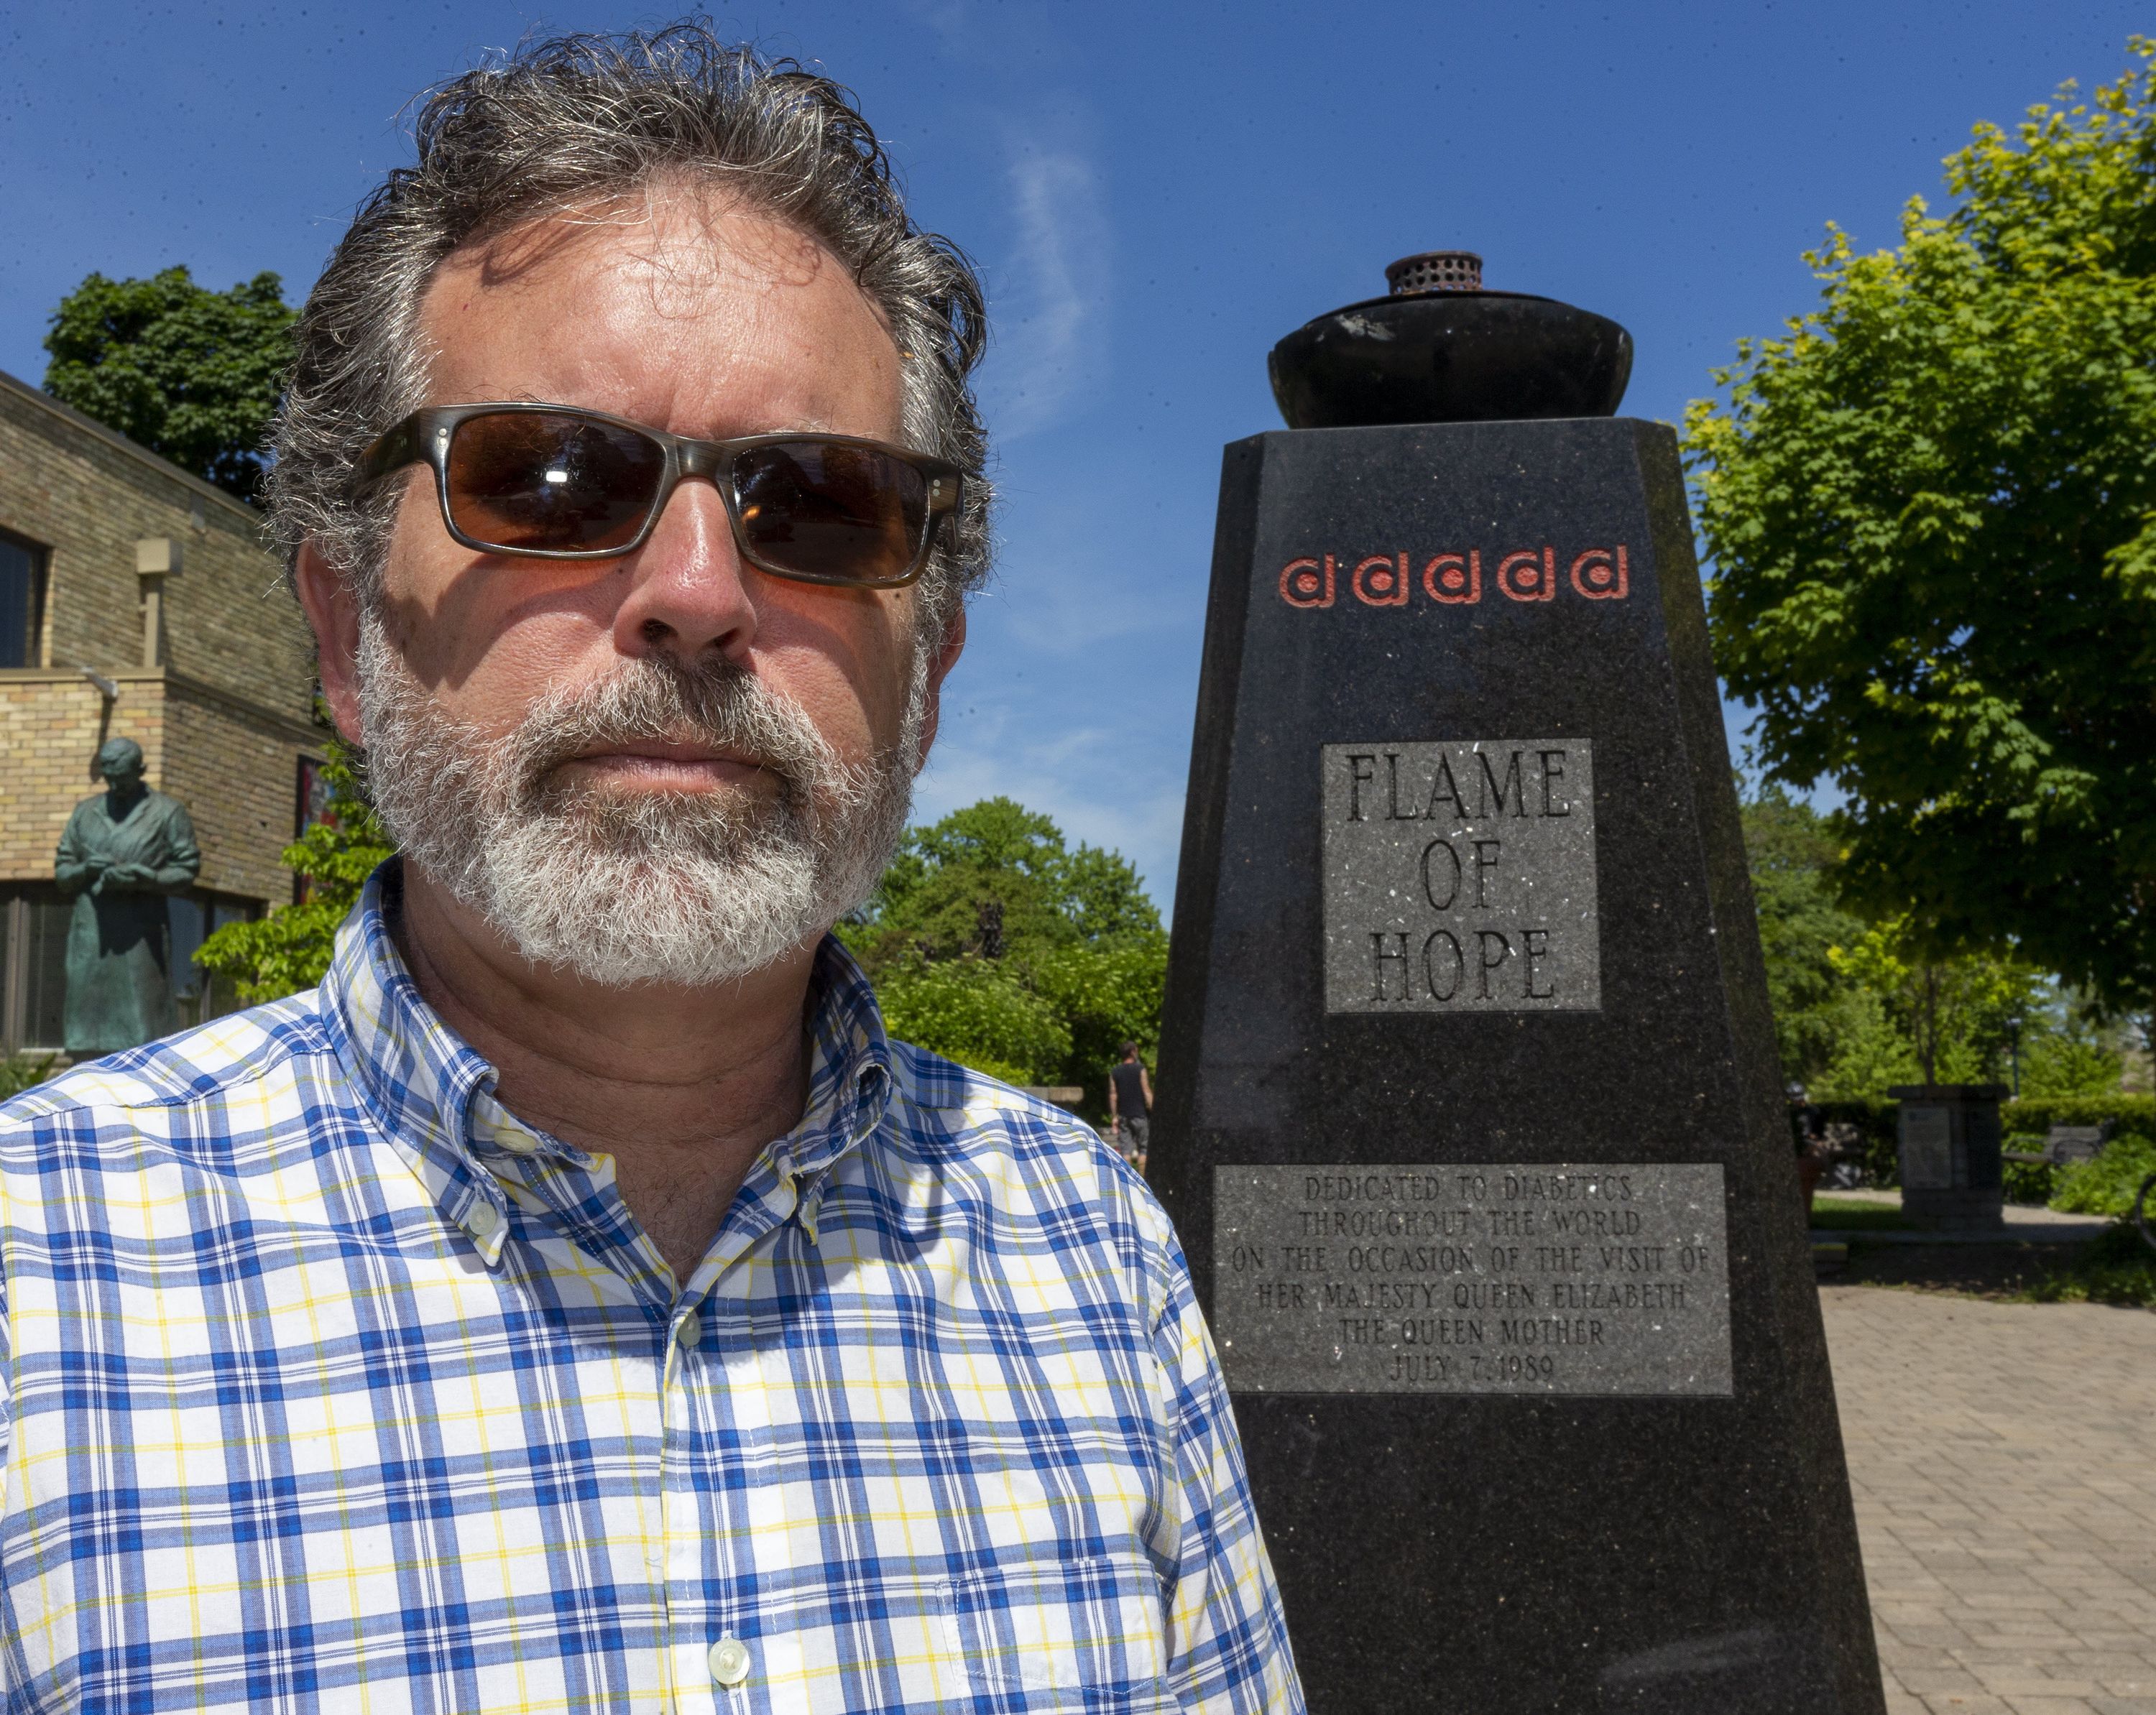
18, 1073
2131, 1116
978, 1013
2106, 1185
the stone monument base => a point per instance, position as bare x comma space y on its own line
1952, 1171
1955, 1211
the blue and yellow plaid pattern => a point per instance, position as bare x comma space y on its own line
332, 1385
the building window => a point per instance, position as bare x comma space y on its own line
22, 601
195, 915
34, 938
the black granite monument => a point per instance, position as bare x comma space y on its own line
1468, 1113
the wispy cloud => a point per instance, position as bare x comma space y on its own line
1081, 777
951, 19
1053, 287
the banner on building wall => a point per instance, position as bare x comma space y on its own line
311, 810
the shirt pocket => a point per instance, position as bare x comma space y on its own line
1086, 1633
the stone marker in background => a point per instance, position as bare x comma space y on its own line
1952, 1168
1469, 1112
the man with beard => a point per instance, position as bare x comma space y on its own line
578, 1302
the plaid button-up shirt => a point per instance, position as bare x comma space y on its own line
329, 1384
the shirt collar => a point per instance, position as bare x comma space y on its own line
433, 1095
850, 1079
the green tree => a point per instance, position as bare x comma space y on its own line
1791, 852
190, 373
1931, 509
2074, 1061
1872, 1053
990, 876
1107, 995
991, 940
1955, 1019
996, 871
289, 949
2066, 1051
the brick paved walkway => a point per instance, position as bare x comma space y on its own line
2004, 1457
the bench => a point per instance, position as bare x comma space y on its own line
2065, 1143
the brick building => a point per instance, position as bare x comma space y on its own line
137, 602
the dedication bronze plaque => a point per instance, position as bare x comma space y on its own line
1512, 1277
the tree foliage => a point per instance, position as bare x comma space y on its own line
1958, 1018
1860, 1007
2108, 1184
1930, 508
991, 940
980, 1012
2074, 1059
996, 869
190, 373
1801, 924
289, 949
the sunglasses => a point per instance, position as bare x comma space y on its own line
550, 482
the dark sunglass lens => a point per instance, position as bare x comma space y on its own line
542, 480
825, 510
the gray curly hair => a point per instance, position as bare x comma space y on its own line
582, 120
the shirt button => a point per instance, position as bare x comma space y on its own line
689, 1333
483, 1219
730, 1661
517, 1143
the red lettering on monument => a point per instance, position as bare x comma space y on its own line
1599, 577
1453, 581
1527, 576
1304, 585
1381, 582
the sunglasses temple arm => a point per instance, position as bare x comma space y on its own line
397, 448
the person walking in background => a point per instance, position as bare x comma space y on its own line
1130, 1105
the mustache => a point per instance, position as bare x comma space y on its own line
716, 705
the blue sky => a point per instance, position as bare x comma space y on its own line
1155, 193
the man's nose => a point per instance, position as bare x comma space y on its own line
688, 593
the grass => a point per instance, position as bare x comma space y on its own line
2118, 1268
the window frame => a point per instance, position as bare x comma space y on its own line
41, 566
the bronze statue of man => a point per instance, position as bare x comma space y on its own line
124, 850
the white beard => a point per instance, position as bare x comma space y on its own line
688, 889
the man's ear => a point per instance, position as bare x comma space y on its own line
333, 611
946, 657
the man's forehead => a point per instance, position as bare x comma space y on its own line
673, 239
681, 289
